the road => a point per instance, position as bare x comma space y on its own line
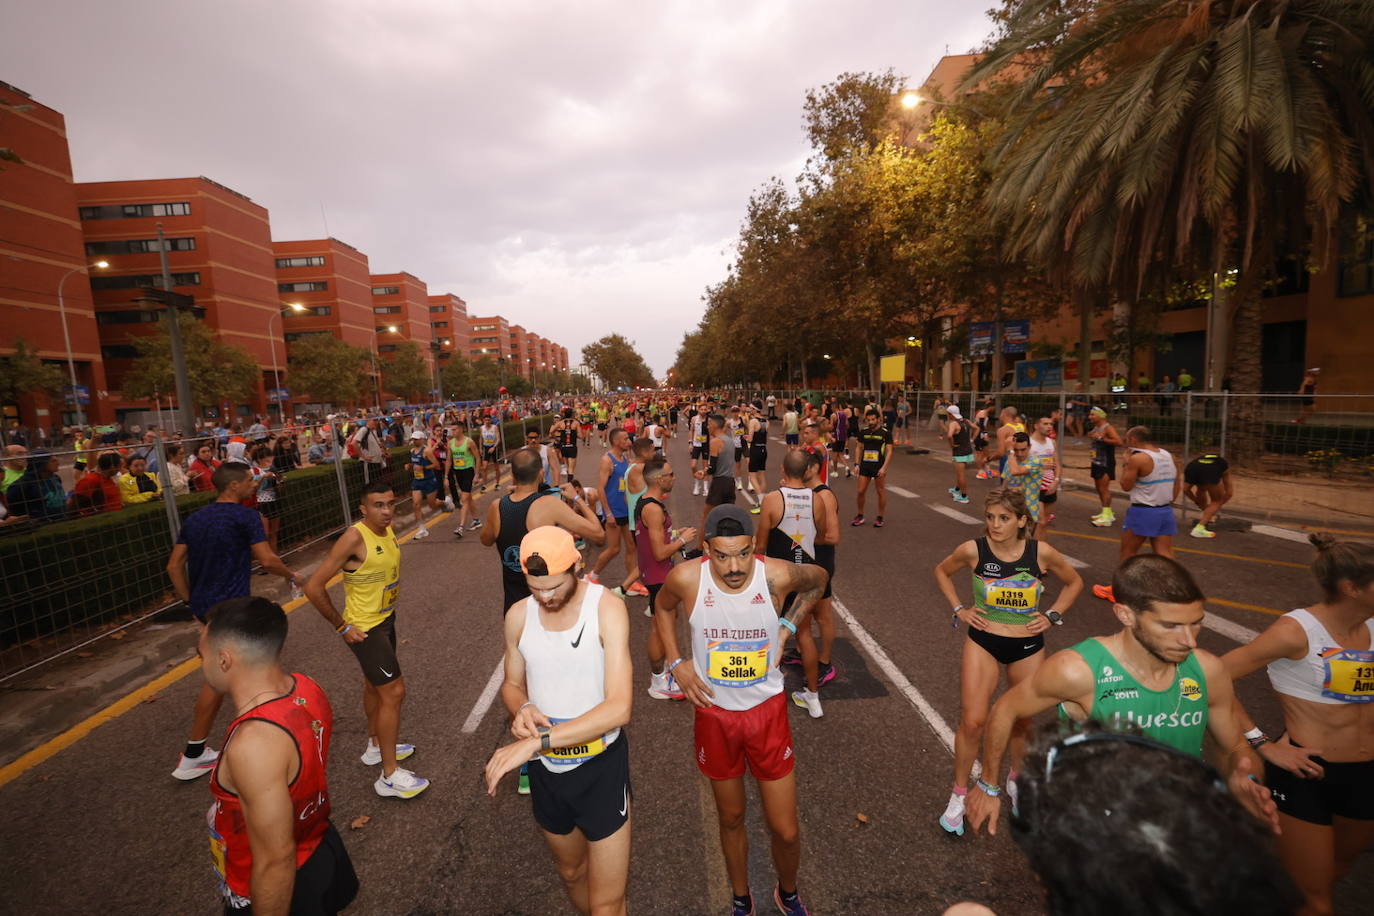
100, 825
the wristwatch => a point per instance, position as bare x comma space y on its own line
1055, 617
543, 731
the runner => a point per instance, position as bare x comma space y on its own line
655, 432
983, 419
758, 456
424, 484
549, 457
791, 518
211, 562
840, 422
903, 428
717, 473
613, 467
635, 488
587, 417
1307, 393
656, 542
1105, 440
1321, 768
564, 434
960, 433
1150, 674
273, 845
1043, 447
813, 443
697, 430
1151, 477
1005, 627
737, 633
876, 451
603, 416
490, 436
791, 429
370, 559
1008, 424
462, 470
738, 428
1207, 482
1024, 473
569, 697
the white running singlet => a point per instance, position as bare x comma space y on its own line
734, 640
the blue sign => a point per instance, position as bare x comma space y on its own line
83, 393
279, 394
1015, 335
980, 338
1038, 373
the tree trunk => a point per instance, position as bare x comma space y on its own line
1245, 424
1085, 340
873, 383
997, 339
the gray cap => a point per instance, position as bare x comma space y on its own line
733, 513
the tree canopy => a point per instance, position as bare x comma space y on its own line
217, 371
329, 370
618, 363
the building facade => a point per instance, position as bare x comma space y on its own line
448, 322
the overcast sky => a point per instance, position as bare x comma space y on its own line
579, 167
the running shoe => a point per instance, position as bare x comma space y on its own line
189, 768
475, 524
826, 673
1103, 521
448, 503
1015, 795
795, 908
400, 784
791, 657
1105, 593
458, 532
638, 590
755, 510
422, 532
858, 520
1201, 532
878, 522
664, 687
594, 578
373, 755
809, 701
523, 785
953, 818
953, 491
740, 910
961, 498
982, 475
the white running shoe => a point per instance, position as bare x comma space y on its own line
373, 755
953, 818
664, 687
448, 503
809, 701
189, 768
1015, 795
401, 784
476, 523
458, 532
423, 532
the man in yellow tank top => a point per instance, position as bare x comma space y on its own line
370, 560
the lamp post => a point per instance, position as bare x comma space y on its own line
436, 347
272, 342
376, 376
67, 337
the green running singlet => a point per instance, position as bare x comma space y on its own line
1176, 716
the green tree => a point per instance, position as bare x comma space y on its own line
217, 371
405, 373
457, 378
22, 372
617, 361
852, 112
329, 370
1185, 137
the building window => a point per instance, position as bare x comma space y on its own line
312, 310
126, 316
140, 246
1357, 255
386, 290
438, 324
119, 351
312, 261
309, 286
386, 309
437, 308
144, 281
484, 327
134, 211
387, 348
297, 335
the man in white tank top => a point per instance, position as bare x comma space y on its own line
732, 600
1151, 478
568, 690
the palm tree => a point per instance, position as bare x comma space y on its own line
1183, 136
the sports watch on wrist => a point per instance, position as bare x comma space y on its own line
543, 737
1054, 617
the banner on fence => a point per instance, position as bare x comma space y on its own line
1038, 373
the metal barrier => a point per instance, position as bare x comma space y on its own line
71, 573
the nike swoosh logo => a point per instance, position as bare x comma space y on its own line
579, 636
1031, 646
625, 805
384, 671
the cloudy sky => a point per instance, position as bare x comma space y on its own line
579, 167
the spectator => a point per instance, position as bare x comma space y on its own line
38, 492
236, 449
1185, 380
138, 486
16, 463
97, 491
268, 495
82, 443
286, 454
176, 469
203, 468
368, 442
258, 432
1166, 389
322, 451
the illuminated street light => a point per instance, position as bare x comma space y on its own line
911, 100
66, 336
272, 342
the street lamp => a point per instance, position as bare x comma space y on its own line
911, 100
272, 343
67, 337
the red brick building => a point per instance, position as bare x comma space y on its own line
489, 337
448, 321
401, 301
219, 250
41, 247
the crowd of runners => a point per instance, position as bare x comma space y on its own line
745, 588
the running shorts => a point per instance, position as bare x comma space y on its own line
758, 459
868, 469
791, 438
1203, 475
377, 653
425, 485
464, 478
601, 426
623, 521
825, 559
1347, 790
699, 451
721, 492
653, 595
271, 508
727, 739
1103, 470
1150, 521
593, 797
568, 451
1007, 649
489, 453
325, 883
586, 427
901, 423
964, 459
837, 446
1049, 499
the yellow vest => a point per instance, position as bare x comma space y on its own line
370, 590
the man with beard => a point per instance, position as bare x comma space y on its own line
1151, 675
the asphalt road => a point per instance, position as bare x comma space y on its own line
101, 826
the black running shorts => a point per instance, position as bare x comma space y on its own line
1347, 790
593, 797
721, 492
325, 883
1007, 649
758, 459
1103, 470
377, 653
463, 477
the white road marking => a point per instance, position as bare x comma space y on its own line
1242, 635
900, 492
1286, 534
955, 514
1073, 561
895, 675
479, 709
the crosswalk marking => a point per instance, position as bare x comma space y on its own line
1286, 534
1242, 635
900, 492
955, 514
1073, 561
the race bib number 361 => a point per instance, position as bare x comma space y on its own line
737, 663
1349, 675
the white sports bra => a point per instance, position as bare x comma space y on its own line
1327, 673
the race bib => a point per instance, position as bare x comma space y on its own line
1349, 675
737, 663
1015, 596
217, 844
419, 472
871, 456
